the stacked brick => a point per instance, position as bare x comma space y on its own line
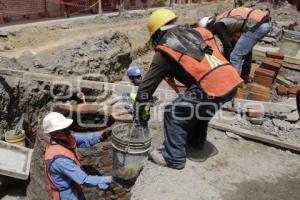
284, 91
263, 77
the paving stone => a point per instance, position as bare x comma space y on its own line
276, 55
282, 90
265, 72
254, 113
268, 63
258, 97
263, 80
256, 88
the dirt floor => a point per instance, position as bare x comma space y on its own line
240, 169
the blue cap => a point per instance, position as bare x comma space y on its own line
134, 72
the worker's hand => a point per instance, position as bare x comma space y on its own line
142, 114
106, 133
105, 181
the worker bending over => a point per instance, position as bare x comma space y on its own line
62, 163
192, 57
246, 27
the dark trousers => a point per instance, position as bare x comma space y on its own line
186, 121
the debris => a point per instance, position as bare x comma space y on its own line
232, 135
256, 121
255, 135
292, 117
283, 81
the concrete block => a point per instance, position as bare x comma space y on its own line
293, 90
276, 55
263, 80
265, 72
256, 88
281, 90
258, 97
15, 160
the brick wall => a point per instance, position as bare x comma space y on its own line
22, 7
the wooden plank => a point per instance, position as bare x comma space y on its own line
256, 136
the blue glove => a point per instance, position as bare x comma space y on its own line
104, 182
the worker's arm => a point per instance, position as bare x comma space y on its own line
159, 69
68, 168
90, 139
222, 32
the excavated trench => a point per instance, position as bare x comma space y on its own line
104, 58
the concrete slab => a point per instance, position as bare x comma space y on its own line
241, 170
15, 160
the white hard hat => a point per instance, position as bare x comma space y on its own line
55, 121
204, 21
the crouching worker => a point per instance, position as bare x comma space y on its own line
192, 57
62, 164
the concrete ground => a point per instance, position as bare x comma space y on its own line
241, 170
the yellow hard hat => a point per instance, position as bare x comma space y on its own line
159, 18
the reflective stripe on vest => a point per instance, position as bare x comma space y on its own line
215, 76
244, 13
53, 150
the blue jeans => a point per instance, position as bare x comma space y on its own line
241, 56
186, 121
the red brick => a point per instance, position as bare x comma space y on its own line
265, 72
263, 80
280, 62
293, 90
269, 63
259, 97
256, 88
281, 90
276, 55
253, 69
254, 113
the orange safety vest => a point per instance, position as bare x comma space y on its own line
214, 74
256, 15
53, 150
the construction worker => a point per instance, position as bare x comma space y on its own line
62, 164
192, 57
246, 27
135, 75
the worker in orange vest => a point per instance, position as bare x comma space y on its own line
62, 163
190, 56
243, 26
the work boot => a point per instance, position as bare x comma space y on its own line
157, 158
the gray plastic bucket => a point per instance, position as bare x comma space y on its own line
130, 150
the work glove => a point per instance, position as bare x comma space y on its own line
104, 182
106, 133
141, 114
